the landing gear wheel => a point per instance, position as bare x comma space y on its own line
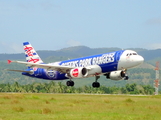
96, 84
70, 83
126, 78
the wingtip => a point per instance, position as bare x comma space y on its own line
9, 61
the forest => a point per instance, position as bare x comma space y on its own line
58, 87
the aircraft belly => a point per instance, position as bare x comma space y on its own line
53, 75
46, 74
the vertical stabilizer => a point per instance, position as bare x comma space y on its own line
31, 54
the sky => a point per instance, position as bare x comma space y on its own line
58, 24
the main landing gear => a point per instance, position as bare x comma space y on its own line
70, 83
96, 84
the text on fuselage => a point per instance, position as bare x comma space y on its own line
97, 60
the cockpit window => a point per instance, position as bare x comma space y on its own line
129, 54
134, 53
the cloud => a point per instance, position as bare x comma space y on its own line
154, 46
73, 43
25, 6
17, 47
154, 21
10, 48
46, 5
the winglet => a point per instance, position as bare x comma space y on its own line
9, 61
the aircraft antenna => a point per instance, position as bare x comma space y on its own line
156, 82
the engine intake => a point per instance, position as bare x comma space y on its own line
78, 72
116, 75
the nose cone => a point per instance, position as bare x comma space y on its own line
139, 59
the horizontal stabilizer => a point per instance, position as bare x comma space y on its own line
20, 71
9, 61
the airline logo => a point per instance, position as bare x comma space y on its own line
51, 73
75, 72
29, 51
103, 59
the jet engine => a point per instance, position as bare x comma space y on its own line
116, 75
78, 72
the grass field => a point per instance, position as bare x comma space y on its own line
17, 106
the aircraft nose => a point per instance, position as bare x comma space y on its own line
140, 59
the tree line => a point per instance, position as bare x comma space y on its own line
58, 87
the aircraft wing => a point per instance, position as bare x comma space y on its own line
61, 69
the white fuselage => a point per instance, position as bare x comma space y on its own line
129, 59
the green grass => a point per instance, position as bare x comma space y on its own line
17, 106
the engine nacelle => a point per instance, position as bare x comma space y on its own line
116, 75
94, 70
78, 72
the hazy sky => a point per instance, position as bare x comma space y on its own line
56, 24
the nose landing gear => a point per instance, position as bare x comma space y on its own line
126, 77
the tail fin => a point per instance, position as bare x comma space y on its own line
31, 54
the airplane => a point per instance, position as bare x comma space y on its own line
112, 65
